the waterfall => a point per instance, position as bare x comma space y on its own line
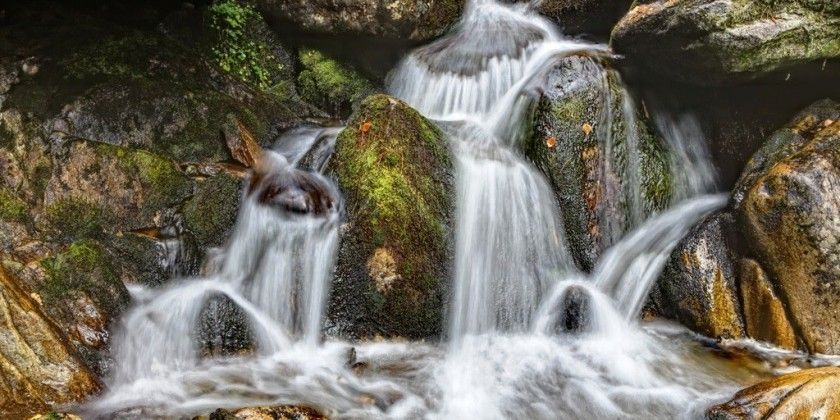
529, 335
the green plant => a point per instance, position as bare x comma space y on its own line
236, 51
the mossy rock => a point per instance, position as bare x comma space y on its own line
99, 187
709, 42
81, 291
211, 213
12, 208
395, 170
139, 87
329, 84
580, 143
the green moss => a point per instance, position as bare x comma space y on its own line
238, 51
397, 175
76, 218
12, 208
118, 57
165, 183
327, 83
211, 212
83, 267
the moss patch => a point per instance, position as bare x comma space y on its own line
74, 218
12, 208
395, 170
211, 212
329, 84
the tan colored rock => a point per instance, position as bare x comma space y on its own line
37, 367
285, 412
764, 313
242, 145
812, 394
789, 211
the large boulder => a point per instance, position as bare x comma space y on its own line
767, 266
395, 171
807, 394
788, 207
39, 369
715, 41
585, 142
414, 20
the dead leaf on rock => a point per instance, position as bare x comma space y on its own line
828, 122
587, 128
551, 142
365, 127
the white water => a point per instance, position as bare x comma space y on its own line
530, 336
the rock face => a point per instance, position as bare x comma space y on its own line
268, 413
395, 171
788, 205
37, 367
415, 20
580, 144
117, 144
698, 286
808, 394
775, 249
715, 41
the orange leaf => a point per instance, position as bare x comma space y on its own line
587, 128
365, 127
551, 142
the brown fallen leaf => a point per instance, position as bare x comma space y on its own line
365, 127
551, 142
828, 122
587, 128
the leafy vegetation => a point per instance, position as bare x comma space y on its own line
236, 51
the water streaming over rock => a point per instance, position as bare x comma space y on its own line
530, 336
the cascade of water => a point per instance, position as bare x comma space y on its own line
531, 337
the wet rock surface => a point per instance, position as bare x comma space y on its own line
579, 143
394, 169
775, 248
811, 394
711, 41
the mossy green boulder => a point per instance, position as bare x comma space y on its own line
395, 171
211, 213
710, 42
581, 142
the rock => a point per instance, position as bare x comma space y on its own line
698, 286
395, 171
579, 143
100, 187
211, 212
290, 190
224, 329
766, 267
285, 412
594, 17
713, 41
138, 87
414, 20
765, 318
573, 311
810, 394
38, 368
242, 145
788, 208
331, 85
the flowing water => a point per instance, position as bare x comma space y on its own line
529, 336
